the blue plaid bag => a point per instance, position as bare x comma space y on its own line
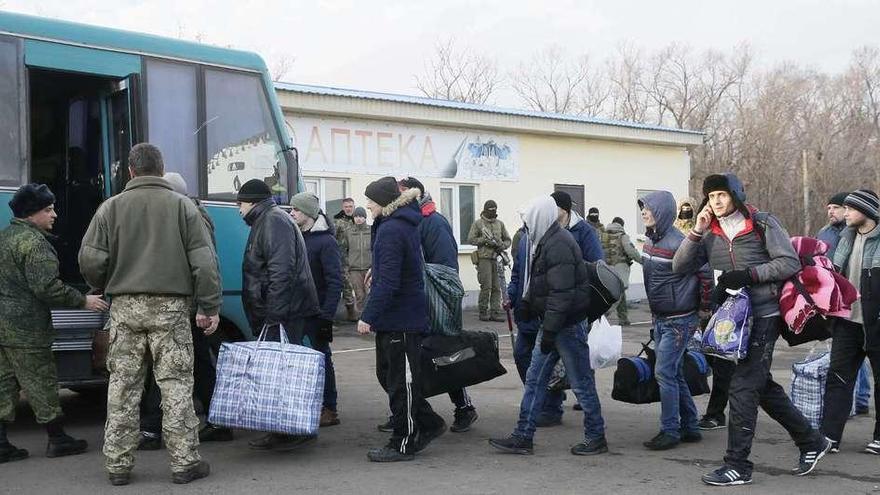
275, 387
808, 385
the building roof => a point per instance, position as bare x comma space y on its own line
85, 35
471, 114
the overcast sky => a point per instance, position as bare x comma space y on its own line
381, 45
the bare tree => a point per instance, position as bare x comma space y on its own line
550, 82
629, 101
459, 75
282, 66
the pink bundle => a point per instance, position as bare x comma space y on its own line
817, 289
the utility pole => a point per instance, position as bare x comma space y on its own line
806, 210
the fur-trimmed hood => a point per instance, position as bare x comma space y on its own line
407, 197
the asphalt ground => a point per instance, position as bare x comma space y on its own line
457, 462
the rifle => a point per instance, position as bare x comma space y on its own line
501, 262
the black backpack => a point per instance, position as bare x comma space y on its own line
605, 289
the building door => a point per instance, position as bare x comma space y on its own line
576, 193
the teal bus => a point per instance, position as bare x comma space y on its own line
75, 98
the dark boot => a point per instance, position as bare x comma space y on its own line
276, 441
10, 453
64, 445
329, 417
211, 433
119, 479
386, 427
198, 471
388, 454
513, 445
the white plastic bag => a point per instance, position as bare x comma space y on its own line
606, 342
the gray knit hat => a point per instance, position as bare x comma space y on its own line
865, 201
307, 203
360, 212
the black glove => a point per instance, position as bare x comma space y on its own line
736, 279
523, 311
719, 295
325, 330
548, 342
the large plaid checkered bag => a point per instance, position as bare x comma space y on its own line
275, 387
444, 291
808, 385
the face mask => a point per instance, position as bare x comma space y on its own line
593, 217
686, 214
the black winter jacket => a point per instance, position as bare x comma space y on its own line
277, 285
558, 285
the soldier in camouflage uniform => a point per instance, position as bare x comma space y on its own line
620, 254
593, 220
154, 269
491, 238
344, 222
29, 287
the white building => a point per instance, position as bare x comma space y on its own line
466, 154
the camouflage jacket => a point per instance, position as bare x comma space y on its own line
490, 236
30, 286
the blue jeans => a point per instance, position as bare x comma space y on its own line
522, 355
863, 387
677, 409
572, 348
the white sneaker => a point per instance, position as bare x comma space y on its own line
873, 447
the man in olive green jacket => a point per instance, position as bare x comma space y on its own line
355, 248
149, 249
29, 287
491, 238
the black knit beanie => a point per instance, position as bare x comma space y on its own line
383, 191
29, 199
254, 191
411, 182
838, 199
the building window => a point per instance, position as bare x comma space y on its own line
458, 203
640, 225
330, 192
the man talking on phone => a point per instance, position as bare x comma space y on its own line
753, 250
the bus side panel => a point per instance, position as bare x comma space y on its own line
231, 233
5, 211
78, 59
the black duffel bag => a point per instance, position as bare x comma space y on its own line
635, 382
450, 363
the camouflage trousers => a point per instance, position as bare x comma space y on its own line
158, 326
31, 369
348, 294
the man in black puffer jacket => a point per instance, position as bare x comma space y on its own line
557, 293
277, 285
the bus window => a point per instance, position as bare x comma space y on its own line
10, 109
241, 137
172, 112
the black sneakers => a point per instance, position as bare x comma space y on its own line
810, 458
10, 453
591, 447
200, 470
710, 423
513, 445
428, 436
464, 418
726, 476
663, 441
65, 444
388, 454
